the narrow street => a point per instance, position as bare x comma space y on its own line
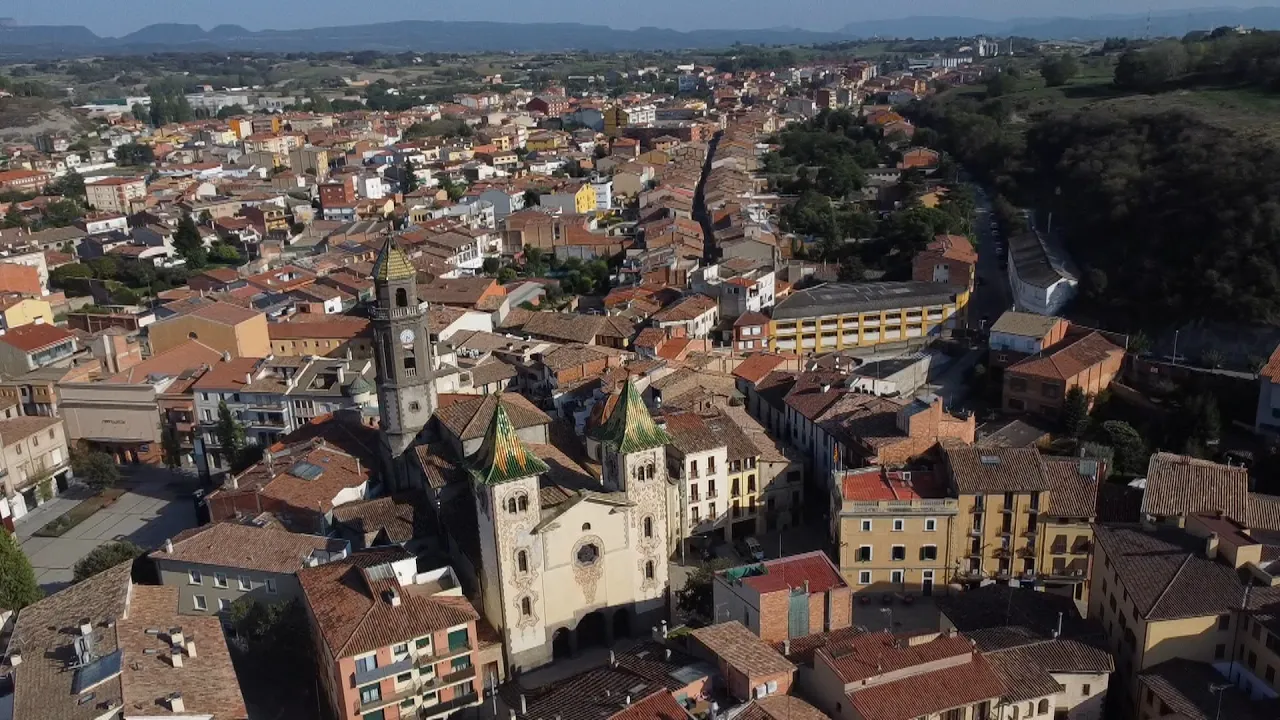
992, 295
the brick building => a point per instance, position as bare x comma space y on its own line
767, 597
749, 666
949, 259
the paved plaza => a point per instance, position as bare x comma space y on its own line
155, 506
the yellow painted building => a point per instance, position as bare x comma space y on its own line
838, 316
24, 311
222, 326
1205, 593
584, 201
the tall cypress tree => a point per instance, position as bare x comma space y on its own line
18, 587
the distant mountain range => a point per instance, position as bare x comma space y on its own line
432, 36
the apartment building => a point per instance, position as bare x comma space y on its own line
938, 676
836, 316
789, 597
895, 530
1039, 384
695, 316
698, 461
116, 194
1203, 593
28, 181
215, 565
106, 644
328, 337
739, 285
949, 259
36, 461
393, 642
29, 347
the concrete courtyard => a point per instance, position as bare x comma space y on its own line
156, 505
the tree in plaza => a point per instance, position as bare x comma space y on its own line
18, 587
1075, 412
105, 557
95, 468
230, 435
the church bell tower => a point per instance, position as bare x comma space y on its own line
402, 351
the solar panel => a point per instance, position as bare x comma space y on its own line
306, 471
990, 459
98, 671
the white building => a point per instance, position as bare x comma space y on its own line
1040, 277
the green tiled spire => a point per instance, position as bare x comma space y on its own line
392, 263
503, 457
631, 428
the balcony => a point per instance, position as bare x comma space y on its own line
378, 673
443, 681
424, 659
380, 313
448, 706
411, 690
712, 494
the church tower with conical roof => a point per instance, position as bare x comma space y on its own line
402, 351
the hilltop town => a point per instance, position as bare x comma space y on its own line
738, 390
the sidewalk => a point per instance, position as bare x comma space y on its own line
27, 525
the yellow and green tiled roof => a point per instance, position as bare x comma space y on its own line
503, 457
392, 263
631, 428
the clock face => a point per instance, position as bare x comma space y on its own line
406, 337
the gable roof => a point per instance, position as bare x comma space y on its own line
1068, 360
996, 470
742, 650
1182, 485
468, 416
233, 545
36, 336
1024, 324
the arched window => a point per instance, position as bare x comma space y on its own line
522, 561
648, 527
526, 606
648, 570
1014, 711
402, 297
586, 527
523, 502
511, 505
649, 471
1043, 707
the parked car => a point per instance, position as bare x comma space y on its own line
750, 549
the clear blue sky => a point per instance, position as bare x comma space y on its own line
122, 16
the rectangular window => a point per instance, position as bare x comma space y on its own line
864, 553
458, 639
370, 694
403, 678
367, 663
245, 583
899, 552
1086, 689
1224, 621
864, 577
198, 602
460, 663
929, 552
422, 642
271, 586
899, 524
219, 580
896, 577
930, 524
866, 526
224, 604
194, 577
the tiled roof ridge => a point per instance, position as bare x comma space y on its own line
1150, 611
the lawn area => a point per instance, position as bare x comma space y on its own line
78, 514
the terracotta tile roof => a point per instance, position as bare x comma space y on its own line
401, 517
780, 707
689, 308
229, 375
247, 547
1271, 370
928, 693
874, 484
1181, 485
996, 470
742, 650
1022, 680
42, 685
1072, 492
30, 338
350, 611
690, 434
571, 356
207, 681
1068, 360
751, 318
1264, 512
660, 705
800, 650
1061, 655
754, 368
1168, 577
564, 327
19, 428
436, 465
812, 570
468, 416
290, 477
1187, 687
225, 313
740, 445
1031, 615
954, 247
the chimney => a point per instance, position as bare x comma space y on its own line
175, 703
393, 597
175, 657
342, 375
15, 658
248, 378
191, 649
524, 706
226, 356
86, 628
1211, 546
233, 482
666, 654
168, 545
626, 700
786, 647
613, 660
175, 637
